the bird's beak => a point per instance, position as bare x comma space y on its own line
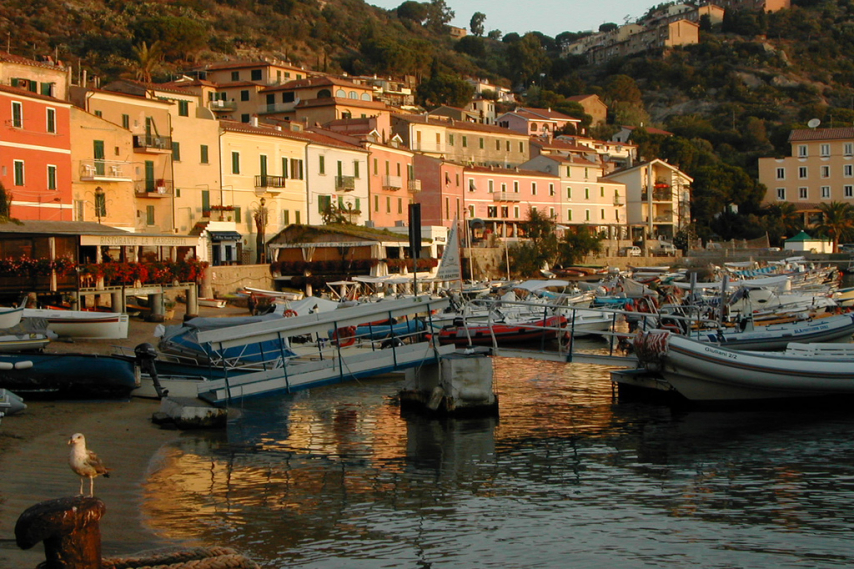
70, 442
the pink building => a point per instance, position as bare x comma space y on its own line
503, 196
442, 195
35, 164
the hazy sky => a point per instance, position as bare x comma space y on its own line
550, 17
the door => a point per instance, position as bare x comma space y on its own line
98, 154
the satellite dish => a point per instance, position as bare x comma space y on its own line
813, 123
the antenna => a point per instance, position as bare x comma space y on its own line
813, 123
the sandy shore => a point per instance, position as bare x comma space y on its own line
34, 456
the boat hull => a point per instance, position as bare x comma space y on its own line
67, 375
777, 337
83, 324
504, 334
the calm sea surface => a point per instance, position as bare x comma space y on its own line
567, 476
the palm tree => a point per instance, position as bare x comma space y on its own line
147, 60
837, 222
790, 218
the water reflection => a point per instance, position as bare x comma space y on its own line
336, 477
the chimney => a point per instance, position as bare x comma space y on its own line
253, 121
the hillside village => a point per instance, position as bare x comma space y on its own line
223, 159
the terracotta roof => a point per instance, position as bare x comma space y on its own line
545, 114
316, 82
559, 145
804, 134
577, 98
507, 171
29, 94
305, 136
167, 87
220, 65
649, 129
10, 58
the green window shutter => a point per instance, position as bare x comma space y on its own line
263, 165
340, 169
126, 122
235, 162
149, 215
297, 216
284, 167
286, 217
176, 151
321, 164
184, 108
358, 204
203, 150
98, 153
206, 200
19, 173
356, 168
149, 176
237, 214
51, 120
51, 177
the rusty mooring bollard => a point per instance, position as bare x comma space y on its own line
69, 528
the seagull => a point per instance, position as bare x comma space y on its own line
85, 463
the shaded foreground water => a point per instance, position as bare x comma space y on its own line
566, 477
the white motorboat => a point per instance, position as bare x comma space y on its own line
705, 373
10, 316
837, 328
82, 324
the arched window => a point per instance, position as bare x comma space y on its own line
340, 93
324, 94
353, 95
533, 127
366, 97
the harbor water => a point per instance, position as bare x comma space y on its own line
567, 476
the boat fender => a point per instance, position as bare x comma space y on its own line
6, 366
24, 365
289, 313
345, 336
436, 398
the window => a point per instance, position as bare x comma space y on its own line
340, 169
203, 153
235, 162
587, 193
602, 214
399, 205
802, 172
848, 149
356, 169
471, 211
450, 140
297, 215
17, 114
51, 177
19, 172
126, 122
465, 141
825, 171
802, 151
176, 151
848, 191
491, 186
515, 187
206, 202
235, 75
376, 167
447, 208
149, 215
586, 215
508, 146
286, 217
50, 125
438, 140
183, 108
244, 117
521, 147
569, 193
601, 191
551, 189
781, 173
491, 211
256, 74
803, 193
568, 172
388, 204
323, 203
321, 164
516, 211
503, 188
533, 188
848, 170
824, 150
387, 168
480, 143
498, 145
99, 114
825, 192
568, 213
781, 193
376, 203
244, 95
296, 169
397, 167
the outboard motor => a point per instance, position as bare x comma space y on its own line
145, 355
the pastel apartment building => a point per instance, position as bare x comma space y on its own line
536, 122
442, 195
819, 170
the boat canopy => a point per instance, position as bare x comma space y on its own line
539, 284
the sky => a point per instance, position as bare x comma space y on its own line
550, 17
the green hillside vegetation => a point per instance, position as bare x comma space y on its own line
728, 100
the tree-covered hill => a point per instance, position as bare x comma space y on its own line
728, 100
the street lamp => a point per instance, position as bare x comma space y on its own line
100, 204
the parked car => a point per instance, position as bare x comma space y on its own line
665, 249
632, 251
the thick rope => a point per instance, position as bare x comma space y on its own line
198, 558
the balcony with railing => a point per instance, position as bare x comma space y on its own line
272, 184
220, 106
414, 186
618, 200
153, 188
393, 183
92, 170
269, 108
345, 183
506, 197
152, 143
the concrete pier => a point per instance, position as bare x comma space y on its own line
460, 384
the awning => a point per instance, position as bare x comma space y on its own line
225, 236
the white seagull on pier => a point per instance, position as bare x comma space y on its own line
85, 463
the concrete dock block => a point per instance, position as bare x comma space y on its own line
190, 413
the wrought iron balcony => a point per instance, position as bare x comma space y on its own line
618, 200
270, 182
414, 186
220, 106
157, 188
345, 183
153, 143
